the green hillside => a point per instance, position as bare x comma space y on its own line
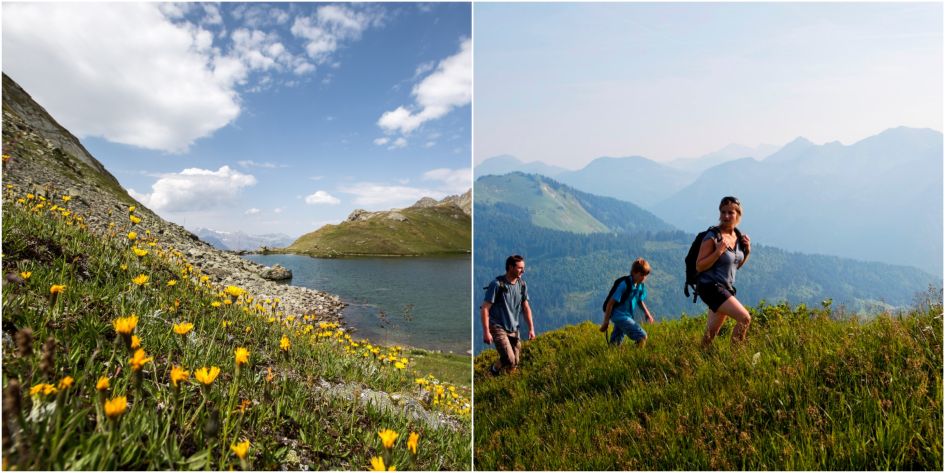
424, 231
804, 392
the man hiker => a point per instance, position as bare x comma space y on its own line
626, 301
505, 302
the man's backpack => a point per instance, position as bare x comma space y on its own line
692, 276
613, 289
503, 286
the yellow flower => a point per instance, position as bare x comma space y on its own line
66, 383
399, 365
172, 282
103, 384
132, 236
234, 291
377, 464
26, 274
135, 342
412, 442
43, 388
139, 359
123, 266
116, 407
66, 198
131, 209
57, 288
178, 374
242, 356
134, 220
140, 280
207, 375
285, 344
215, 304
139, 251
204, 278
240, 449
269, 375
388, 437
125, 325
183, 328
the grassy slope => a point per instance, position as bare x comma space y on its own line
427, 231
548, 207
290, 422
805, 393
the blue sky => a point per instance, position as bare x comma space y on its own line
257, 117
568, 83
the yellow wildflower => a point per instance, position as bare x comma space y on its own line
123, 266
131, 209
139, 359
116, 407
141, 279
134, 220
388, 437
135, 342
26, 274
234, 291
242, 356
43, 388
216, 304
399, 365
377, 464
103, 384
240, 449
57, 288
178, 374
207, 375
285, 344
412, 442
125, 325
139, 252
172, 282
66, 383
183, 328
269, 375
66, 198
132, 236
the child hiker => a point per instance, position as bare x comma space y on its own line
626, 301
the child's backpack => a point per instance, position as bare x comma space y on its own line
692, 276
613, 289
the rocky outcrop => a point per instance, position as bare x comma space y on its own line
47, 160
276, 273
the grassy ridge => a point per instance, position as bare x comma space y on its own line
431, 230
805, 392
297, 400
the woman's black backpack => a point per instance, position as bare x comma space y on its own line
692, 276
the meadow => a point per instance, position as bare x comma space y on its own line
810, 389
119, 355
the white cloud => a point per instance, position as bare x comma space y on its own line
429, 144
278, 210
248, 163
330, 26
381, 196
321, 197
252, 211
116, 59
195, 189
381, 141
448, 87
398, 143
453, 181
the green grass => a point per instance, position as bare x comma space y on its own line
548, 207
427, 231
290, 421
452, 368
805, 392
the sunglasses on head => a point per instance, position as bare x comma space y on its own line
729, 200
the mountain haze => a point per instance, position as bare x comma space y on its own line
242, 241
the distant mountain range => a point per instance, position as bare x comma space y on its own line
879, 199
241, 241
427, 227
576, 244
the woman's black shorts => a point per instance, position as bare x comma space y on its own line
714, 295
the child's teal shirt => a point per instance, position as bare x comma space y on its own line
627, 308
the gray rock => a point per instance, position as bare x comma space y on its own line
276, 273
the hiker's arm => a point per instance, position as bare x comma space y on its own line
528, 319
484, 315
746, 243
607, 314
709, 253
649, 317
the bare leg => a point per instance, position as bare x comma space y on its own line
737, 311
713, 324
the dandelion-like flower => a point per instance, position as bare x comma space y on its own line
66, 382
216, 304
206, 375
240, 449
285, 344
377, 464
116, 407
132, 236
57, 289
172, 282
400, 365
234, 291
183, 328
26, 274
134, 220
412, 442
125, 325
45, 389
141, 279
135, 342
178, 374
139, 252
388, 437
242, 356
139, 359
103, 384
132, 209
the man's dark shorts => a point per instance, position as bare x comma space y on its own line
714, 295
507, 344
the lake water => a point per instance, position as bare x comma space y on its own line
422, 301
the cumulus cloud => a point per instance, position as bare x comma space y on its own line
248, 163
252, 211
454, 181
382, 141
114, 56
398, 143
446, 88
195, 189
321, 197
377, 195
330, 26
